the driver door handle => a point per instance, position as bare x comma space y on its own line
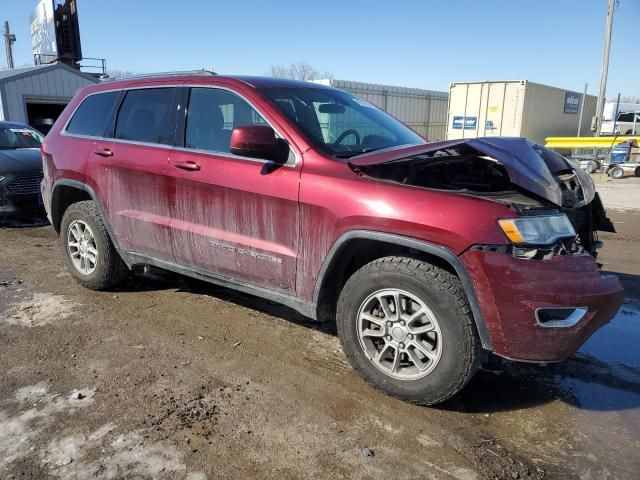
187, 165
105, 152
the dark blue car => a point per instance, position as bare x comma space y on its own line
20, 170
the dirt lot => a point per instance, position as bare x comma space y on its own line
169, 377
623, 194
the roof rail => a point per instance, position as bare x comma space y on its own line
163, 74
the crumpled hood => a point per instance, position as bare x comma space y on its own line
529, 165
21, 160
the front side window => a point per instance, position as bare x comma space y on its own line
14, 137
626, 117
338, 122
93, 114
146, 116
212, 114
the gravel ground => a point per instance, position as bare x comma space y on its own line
622, 194
168, 377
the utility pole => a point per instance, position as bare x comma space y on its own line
604, 70
584, 97
9, 40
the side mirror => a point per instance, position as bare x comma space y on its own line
259, 141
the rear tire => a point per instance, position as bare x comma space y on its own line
87, 249
616, 172
637, 172
425, 368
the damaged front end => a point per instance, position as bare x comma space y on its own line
529, 178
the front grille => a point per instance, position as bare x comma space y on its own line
25, 185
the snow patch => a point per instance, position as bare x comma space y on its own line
40, 309
456, 472
426, 441
127, 455
100, 454
16, 432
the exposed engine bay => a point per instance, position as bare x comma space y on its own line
530, 179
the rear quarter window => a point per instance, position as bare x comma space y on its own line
92, 116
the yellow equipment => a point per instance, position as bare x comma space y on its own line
569, 143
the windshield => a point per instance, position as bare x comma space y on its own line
12, 138
338, 122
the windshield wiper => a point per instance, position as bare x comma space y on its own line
354, 153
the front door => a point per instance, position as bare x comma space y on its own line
233, 216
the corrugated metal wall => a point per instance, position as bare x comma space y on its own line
425, 111
57, 84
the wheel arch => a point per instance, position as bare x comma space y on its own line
365, 246
67, 192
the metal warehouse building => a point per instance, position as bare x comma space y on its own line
425, 111
37, 95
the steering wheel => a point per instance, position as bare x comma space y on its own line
345, 134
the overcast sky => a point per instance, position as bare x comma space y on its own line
425, 44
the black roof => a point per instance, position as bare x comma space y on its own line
274, 82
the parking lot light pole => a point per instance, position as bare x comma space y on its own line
604, 70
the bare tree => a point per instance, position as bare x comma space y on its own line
298, 71
278, 71
630, 99
115, 74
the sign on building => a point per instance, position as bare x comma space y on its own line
464, 123
572, 102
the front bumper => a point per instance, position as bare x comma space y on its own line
511, 290
20, 195
12, 205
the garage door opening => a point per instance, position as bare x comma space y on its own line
42, 115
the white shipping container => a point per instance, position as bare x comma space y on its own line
425, 111
516, 109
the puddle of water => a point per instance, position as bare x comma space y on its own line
592, 396
619, 340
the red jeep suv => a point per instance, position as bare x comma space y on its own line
425, 254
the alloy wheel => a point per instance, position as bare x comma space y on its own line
81, 245
399, 334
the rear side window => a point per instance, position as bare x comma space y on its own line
146, 115
92, 116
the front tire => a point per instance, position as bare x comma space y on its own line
87, 249
405, 326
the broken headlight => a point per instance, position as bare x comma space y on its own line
537, 230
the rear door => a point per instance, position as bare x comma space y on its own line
131, 171
233, 216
